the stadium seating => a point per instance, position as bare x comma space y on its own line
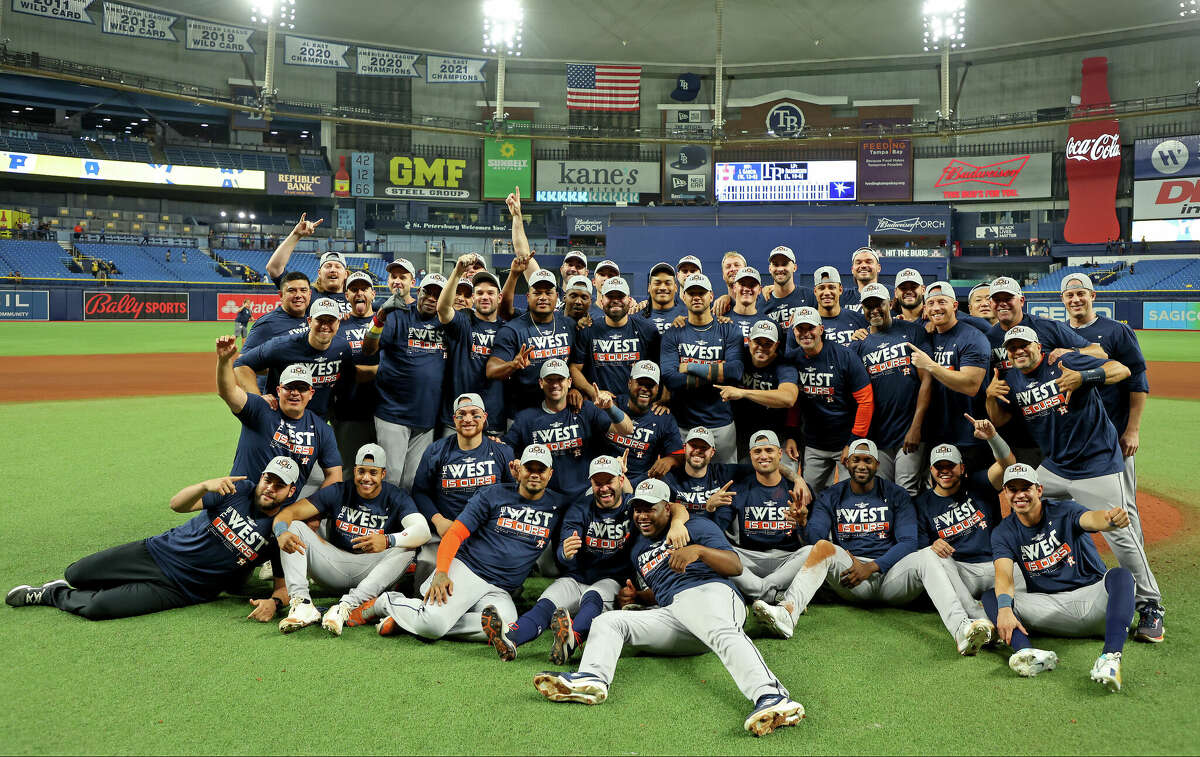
138, 152
147, 263
36, 260
69, 147
313, 164
195, 156
1050, 282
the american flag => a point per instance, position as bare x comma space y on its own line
591, 87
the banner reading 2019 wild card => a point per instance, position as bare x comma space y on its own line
507, 163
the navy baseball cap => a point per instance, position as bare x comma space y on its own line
687, 88
690, 158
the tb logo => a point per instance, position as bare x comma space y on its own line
785, 120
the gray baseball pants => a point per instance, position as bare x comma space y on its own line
404, 446
819, 466
765, 573
361, 576
905, 469
459, 618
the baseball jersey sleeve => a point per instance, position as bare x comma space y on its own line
974, 353
904, 521
1078, 362
1003, 544
256, 413
975, 322
425, 486
668, 361
516, 435
709, 536
1059, 334
575, 521
1128, 352
476, 513
597, 419
257, 358
581, 350
401, 505
820, 518
326, 499
328, 455
734, 359
856, 372
507, 343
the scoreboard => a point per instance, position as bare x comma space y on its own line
797, 181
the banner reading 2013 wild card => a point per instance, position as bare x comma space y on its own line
507, 163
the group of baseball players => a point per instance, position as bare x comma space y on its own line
673, 463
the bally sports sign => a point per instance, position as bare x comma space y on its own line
990, 177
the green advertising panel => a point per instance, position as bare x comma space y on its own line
507, 163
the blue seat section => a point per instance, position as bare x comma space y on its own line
36, 260
195, 156
1142, 275
149, 263
313, 164
1050, 282
70, 147
137, 152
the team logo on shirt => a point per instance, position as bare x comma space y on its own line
1000, 358
770, 516
295, 442
560, 438
784, 315
616, 350
469, 473
526, 523
607, 537
755, 380
481, 343
639, 442
695, 500
863, 518
840, 336
959, 519
427, 339
816, 383
354, 337
239, 534
653, 558
546, 346
944, 356
1045, 552
1040, 399
887, 358
700, 351
357, 521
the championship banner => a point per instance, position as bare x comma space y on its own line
135, 306
303, 51
218, 38
59, 10
229, 303
375, 61
595, 180
885, 170
1166, 157
298, 184
507, 163
30, 164
991, 177
26, 305
438, 178
132, 21
443, 70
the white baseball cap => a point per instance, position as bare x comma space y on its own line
940, 289
358, 276
662, 267
764, 329
580, 283
433, 280
575, 255
870, 251
324, 306
542, 276
604, 464
1076, 281
554, 367
863, 447
806, 315
784, 251
465, 284
646, 369
537, 453
826, 274
874, 290
689, 259
909, 275
404, 263
615, 284
335, 256
945, 453
652, 491
764, 438
373, 451
469, 399
285, 468
296, 372
697, 280
1020, 472
1005, 285
1023, 333
703, 434
608, 264
748, 272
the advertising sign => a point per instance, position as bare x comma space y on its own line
1093, 158
1167, 230
132, 21
298, 184
801, 181
687, 172
507, 163
885, 170
25, 305
59, 10
362, 174
229, 303
595, 180
304, 51
218, 38
1166, 157
997, 231
992, 177
1056, 311
1166, 198
376, 61
440, 69
121, 170
135, 306
593, 226
1171, 315
431, 178
904, 224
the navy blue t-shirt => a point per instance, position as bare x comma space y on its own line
351, 516
760, 516
243, 316
1051, 334
218, 547
607, 353
964, 519
448, 475
653, 437
573, 439
266, 433
880, 525
662, 319
1121, 344
651, 559
328, 366
895, 382
744, 322
355, 401
413, 352
714, 343
267, 327
508, 533
1055, 555
466, 372
694, 492
782, 310
960, 347
606, 540
753, 417
827, 383
840, 328
548, 340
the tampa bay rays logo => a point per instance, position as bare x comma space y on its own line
785, 120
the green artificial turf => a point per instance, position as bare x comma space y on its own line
81, 338
82, 476
1181, 346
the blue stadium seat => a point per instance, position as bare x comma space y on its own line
36, 260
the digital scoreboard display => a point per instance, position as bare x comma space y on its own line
798, 181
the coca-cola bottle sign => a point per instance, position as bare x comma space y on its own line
1093, 162
1104, 147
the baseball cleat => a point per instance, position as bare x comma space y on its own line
1107, 670
497, 636
1150, 623
773, 711
564, 637
571, 687
335, 618
975, 634
389, 627
301, 613
363, 615
775, 617
1029, 661
27, 596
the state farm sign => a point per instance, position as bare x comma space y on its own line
992, 177
229, 303
1166, 198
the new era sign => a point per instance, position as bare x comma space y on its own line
993, 177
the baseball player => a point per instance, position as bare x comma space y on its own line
731, 262
1068, 589
464, 294
486, 554
295, 295
605, 351
452, 469
698, 609
523, 344
468, 357
687, 267
577, 301
353, 416
374, 532
836, 400
277, 263
745, 293
401, 275
663, 306
865, 269
187, 565
696, 357
1062, 408
701, 479
769, 386
784, 296
910, 295
1123, 403
899, 391
979, 302
841, 324
570, 435
291, 430
242, 321
655, 437
864, 537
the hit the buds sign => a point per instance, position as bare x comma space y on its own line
135, 306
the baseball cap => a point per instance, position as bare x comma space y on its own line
542, 276
652, 491
404, 263
689, 259
973, 290
874, 290
940, 289
605, 464
609, 264
909, 275
764, 438
697, 280
749, 272
537, 453
285, 468
869, 250
582, 283
296, 372
763, 329
575, 255
1005, 285
469, 399
945, 453
483, 276
335, 256
357, 276
863, 447
826, 274
806, 315
324, 306
690, 157
464, 284
433, 280
687, 87
1076, 281
703, 434
615, 284
662, 267
784, 251
646, 369
554, 367
1020, 472
373, 451
1023, 333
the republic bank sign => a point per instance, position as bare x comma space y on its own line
595, 181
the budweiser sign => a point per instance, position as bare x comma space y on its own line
991, 177
1102, 147
135, 306
1001, 174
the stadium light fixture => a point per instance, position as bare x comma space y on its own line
502, 27
945, 23
223, 214
273, 12
241, 214
1188, 9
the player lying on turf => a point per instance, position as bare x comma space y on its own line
373, 531
1069, 590
699, 609
186, 565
